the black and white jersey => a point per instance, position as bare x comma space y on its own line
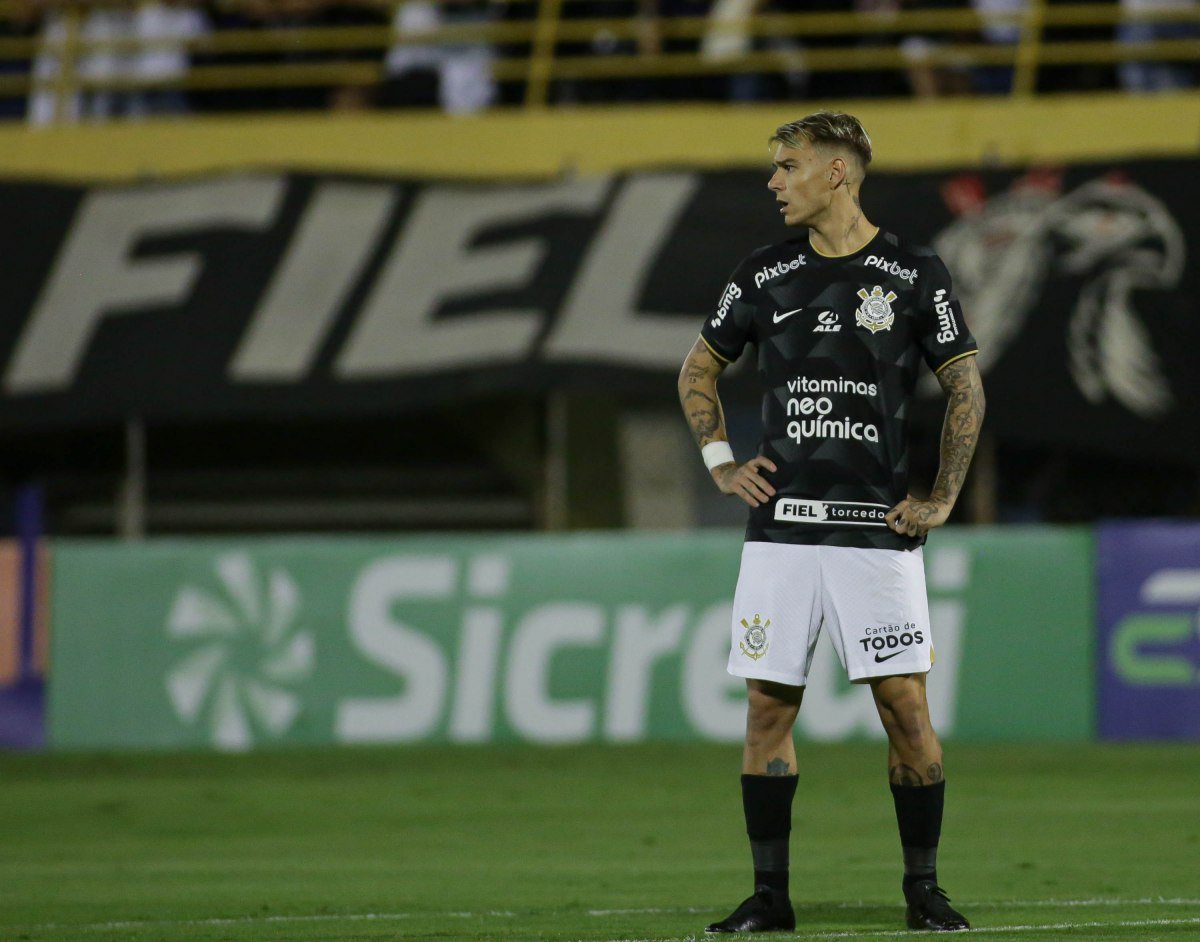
840, 342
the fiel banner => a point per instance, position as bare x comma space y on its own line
1149, 650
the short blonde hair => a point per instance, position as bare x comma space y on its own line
827, 128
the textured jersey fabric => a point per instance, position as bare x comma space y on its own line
840, 345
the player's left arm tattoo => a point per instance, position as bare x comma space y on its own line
960, 432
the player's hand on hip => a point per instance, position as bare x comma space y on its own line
913, 517
746, 480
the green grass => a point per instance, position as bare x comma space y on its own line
595, 843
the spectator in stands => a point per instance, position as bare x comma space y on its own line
655, 37
1001, 27
887, 82
731, 36
20, 24
604, 41
1156, 76
458, 76
925, 79
280, 17
143, 44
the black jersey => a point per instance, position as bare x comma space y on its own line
840, 342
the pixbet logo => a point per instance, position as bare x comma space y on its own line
945, 315
774, 271
732, 292
883, 264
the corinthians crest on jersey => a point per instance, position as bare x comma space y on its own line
754, 642
875, 312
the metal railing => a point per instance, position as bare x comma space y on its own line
534, 44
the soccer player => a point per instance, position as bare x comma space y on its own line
842, 317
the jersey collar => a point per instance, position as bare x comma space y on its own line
858, 251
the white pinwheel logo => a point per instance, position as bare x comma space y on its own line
248, 654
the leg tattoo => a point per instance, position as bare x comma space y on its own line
905, 775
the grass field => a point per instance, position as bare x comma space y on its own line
595, 843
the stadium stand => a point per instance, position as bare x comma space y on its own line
70, 61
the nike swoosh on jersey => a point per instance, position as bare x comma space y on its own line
880, 660
778, 317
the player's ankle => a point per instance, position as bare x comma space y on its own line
911, 879
777, 880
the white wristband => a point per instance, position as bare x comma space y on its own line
716, 454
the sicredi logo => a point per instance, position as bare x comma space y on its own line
948, 326
774, 271
892, 268
247, 657
732, 292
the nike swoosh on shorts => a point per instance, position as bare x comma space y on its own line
880, 660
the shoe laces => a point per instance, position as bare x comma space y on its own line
937, 898
930, 892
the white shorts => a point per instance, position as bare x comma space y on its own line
872, 601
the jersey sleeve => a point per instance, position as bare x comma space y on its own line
944, 336
727, 330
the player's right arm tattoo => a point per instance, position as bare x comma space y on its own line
698, 394
960, 433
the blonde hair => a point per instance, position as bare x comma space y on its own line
828, 129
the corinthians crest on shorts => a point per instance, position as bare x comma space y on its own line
875, 313
754, 642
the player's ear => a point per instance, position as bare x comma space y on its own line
836, 172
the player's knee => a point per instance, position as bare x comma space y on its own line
768, 715
906, 719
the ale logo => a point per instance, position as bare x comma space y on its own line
246, 654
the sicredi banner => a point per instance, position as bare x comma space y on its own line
1149, 630
251, 643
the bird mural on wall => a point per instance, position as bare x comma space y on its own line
1111, 235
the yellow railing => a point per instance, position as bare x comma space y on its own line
535, 51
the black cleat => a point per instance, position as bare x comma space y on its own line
929, 908
768, 910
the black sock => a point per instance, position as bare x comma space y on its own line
919, 814
767, 804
